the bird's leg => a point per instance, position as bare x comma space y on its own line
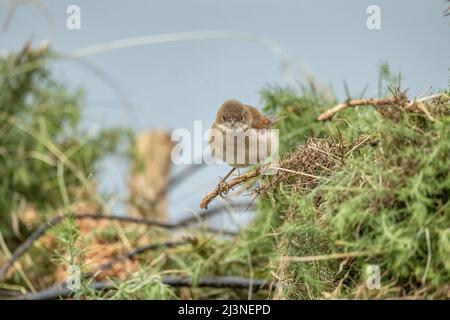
222, 180
226, 177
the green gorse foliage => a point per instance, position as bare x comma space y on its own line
388, 205
41, 141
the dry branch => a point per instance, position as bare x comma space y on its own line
212, 282
312, 157
20, 251
333, 256
358, 102
224, 187
400, 99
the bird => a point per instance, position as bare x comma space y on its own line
241, 136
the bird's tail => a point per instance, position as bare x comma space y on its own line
275, 119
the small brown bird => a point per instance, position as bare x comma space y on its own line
240, 135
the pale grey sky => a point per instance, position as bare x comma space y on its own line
173, 84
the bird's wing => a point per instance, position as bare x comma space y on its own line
259, 121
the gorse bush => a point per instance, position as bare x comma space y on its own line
46, 159
386, 204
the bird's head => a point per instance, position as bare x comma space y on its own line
234, 115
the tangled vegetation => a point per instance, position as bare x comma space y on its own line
384, 203
46, 159
371, 187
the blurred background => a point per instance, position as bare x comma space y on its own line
171, 85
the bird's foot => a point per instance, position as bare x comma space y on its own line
223, 188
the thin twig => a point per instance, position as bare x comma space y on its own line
325, 153
22, 274
433, 96
20, 251
212, 282
9, 293
226, 186
427, 268
332, 256
360, 143
301, 173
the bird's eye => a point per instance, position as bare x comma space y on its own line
223, 118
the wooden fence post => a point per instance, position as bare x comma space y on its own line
151, 174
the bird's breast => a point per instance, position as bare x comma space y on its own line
242, 148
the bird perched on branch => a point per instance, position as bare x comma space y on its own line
241, 136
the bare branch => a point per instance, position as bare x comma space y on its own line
212, 282
354, 103
224, 187
20, 251
400, 99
